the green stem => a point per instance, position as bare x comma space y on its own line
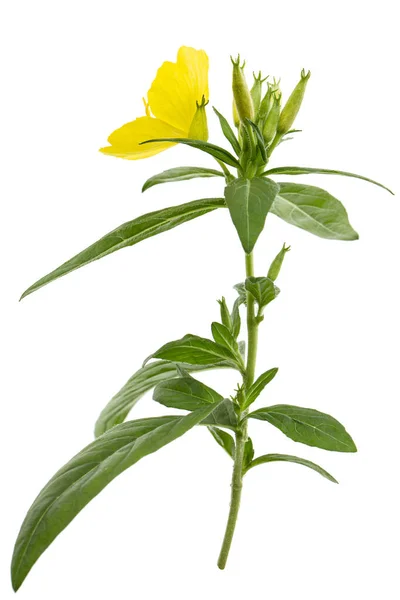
252, 329
241, 434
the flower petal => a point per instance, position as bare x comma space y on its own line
177, 87
125, 140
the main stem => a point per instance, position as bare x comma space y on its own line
241, 434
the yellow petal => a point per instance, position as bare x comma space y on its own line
178, 86
124, 142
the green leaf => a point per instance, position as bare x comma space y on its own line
307, 426
260, 139
185, 393
224, 337
262, 289
215, 151
314, 210
266, 458
276, 264
224, 439
180, 174
83, 477
248, 454
118, 408
258, 386
131, 233
249, 201
308, 170
224, 415
228, 132
195, 350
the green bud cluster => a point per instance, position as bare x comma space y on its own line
260, 121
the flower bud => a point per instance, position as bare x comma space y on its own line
271, 122
256, 90
225, 314
198, 128
277, 263
241, 93
266, 102
292, 106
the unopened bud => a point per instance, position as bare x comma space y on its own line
277, 263
292, 106
256, 90
271, 122
241, 93
225, 314
266, 102
199, 128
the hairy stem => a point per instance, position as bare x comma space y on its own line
241, 434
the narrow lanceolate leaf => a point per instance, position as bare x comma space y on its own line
224, 415
224, 337
224, 439
266, 458
180, 174
195, 350
258, 386
80, 480
228, 132
215, 151
314, 210
186, 393
116, 411
249, 201
262, 289
310, 170
131, 233
307, 426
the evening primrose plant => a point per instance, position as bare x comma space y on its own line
175, 113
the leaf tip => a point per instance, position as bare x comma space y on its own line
352, 236
352, 446
16, 580
24, 294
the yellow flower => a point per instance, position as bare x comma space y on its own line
177, 99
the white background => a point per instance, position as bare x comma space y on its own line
71, 73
